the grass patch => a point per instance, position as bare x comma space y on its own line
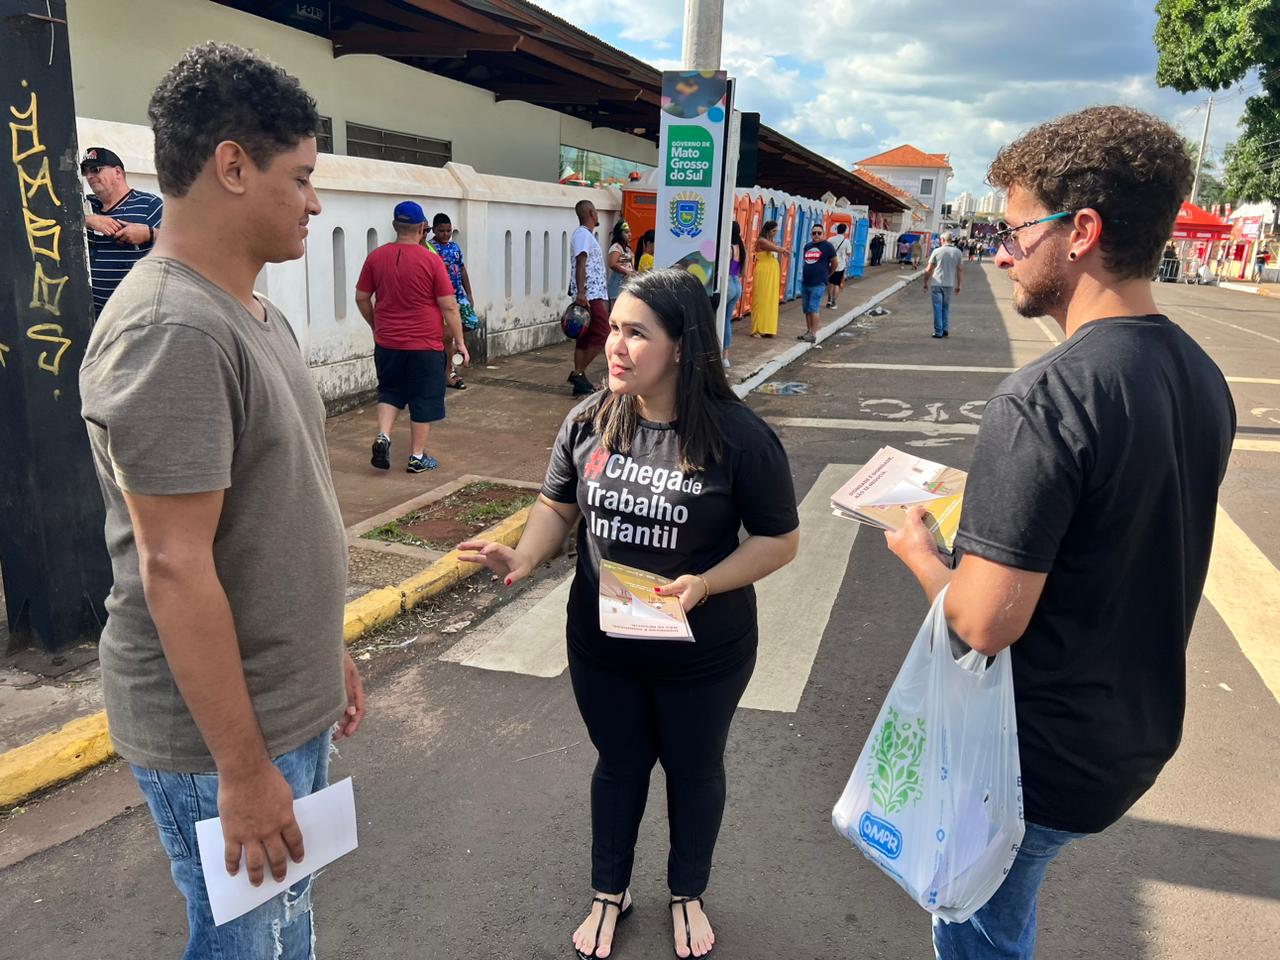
463, 513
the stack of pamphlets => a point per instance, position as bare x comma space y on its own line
892, 482
630, 610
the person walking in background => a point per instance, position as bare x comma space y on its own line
877, 249
223, 665
668, 411
450, 252
904, 251
405, 295
619, 259
737, 257
817, 261
122, 223
589, 288
766, 282
647, 241
840, 243
916, 253
946, 271
1088, 517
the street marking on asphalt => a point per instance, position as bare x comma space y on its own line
1256, 446
1049, 333
878, 426
1244, 587
946, 368
1233, 326
794, 606
922, 367
795, 603
521, 638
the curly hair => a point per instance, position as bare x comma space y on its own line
217, 92
1129, 166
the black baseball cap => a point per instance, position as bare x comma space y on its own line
100, 157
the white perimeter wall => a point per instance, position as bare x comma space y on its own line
514, 236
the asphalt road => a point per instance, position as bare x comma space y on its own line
472, 782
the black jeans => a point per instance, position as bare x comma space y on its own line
633, 722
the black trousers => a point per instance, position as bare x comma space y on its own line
633, 722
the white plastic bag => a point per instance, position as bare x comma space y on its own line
936, 797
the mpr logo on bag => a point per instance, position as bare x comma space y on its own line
880, 835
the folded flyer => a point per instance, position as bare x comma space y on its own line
630, 610
892, 482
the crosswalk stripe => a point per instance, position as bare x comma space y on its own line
521, 638
794, 606
795, 603
880, 426
1244, 587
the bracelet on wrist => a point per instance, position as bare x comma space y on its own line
706, 590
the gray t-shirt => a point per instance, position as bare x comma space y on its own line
946, 263
184, 391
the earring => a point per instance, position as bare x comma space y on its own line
1071, 255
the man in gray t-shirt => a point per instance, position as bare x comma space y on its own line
946, 271
223, 663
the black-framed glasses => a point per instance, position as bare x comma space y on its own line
1004, 232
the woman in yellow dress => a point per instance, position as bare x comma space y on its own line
766, 285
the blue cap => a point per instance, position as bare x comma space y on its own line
409, 212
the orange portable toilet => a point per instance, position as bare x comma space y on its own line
640, 210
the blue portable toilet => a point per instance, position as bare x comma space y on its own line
804, 217
858, 261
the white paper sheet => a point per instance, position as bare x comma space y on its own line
327, 819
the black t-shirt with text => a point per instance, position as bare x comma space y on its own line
1099, 464
639, 509
817, 257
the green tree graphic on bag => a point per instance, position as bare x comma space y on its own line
895, 762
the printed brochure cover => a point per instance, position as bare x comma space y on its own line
630, 610
892, 482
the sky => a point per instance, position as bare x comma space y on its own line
852, 78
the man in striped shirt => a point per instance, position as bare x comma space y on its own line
122, 223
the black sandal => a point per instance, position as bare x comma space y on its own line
456, 383
604, 911
688, 934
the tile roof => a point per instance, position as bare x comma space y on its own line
887, 187
907, 156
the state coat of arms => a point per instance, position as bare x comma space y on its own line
687, 211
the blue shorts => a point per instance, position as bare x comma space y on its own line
413, 379
812, 297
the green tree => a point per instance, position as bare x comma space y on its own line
1211, 44
1252, 163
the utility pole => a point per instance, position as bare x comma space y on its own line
53, 555
703, 25
1204, 140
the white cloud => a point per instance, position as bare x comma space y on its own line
848, 78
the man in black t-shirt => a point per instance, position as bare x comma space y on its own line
1089, 511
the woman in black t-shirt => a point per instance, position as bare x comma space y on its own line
662, 468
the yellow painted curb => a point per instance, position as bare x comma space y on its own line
84, 743
54, 757
448, 570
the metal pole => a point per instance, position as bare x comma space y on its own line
1204, 140
703, 25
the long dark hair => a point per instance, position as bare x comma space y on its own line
767, 227
735, 240
681, 304
616, 235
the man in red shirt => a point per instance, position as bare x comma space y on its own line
405, 295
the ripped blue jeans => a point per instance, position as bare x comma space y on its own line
281, 928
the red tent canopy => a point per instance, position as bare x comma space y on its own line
1196, 223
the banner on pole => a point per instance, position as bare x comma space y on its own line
695, 111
